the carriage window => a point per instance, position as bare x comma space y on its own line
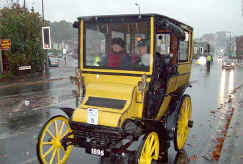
184, 48
163, 43
115, 46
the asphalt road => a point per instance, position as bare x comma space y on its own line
20, 124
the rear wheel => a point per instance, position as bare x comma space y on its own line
49, 146
182, 128
149, 149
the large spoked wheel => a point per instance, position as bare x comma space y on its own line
149, 149
182, 129
49, 147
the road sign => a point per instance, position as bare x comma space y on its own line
24, 67
5, 44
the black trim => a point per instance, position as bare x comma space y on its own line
133, 16
98, 128
123, 68
100, 136
68, 111
113, 73
105, 102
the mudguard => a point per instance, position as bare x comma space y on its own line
68, 111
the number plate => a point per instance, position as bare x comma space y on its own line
99, 152
92, 116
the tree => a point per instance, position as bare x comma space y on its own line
23, 27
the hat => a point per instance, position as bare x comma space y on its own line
143, 42
118, 41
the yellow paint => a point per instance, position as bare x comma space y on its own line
105, 117
55, 141
81, 43
182, 123
150, 150
124, 87
151, 42
115, 87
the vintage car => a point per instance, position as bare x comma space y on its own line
132, 74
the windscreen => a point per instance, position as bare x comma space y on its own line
117, 46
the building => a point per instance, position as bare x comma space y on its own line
201, 49
239, 47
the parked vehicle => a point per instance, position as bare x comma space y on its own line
128, 98
53, 61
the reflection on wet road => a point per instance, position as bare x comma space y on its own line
21, 124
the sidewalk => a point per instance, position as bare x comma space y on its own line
232, 152
63, 72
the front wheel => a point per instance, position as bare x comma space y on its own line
49, 147
182, 125
149, 149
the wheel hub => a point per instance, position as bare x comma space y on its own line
57, 142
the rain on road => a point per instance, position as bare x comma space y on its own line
20, 124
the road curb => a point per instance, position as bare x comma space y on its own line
31, 82
231, 139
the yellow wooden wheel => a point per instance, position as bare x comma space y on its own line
182, 128
49, 147
149, 150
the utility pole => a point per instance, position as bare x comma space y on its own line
45, 66
43, 12
1, 62
242, 8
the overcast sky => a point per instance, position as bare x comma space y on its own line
205, 16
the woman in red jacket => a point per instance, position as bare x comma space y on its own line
117, 56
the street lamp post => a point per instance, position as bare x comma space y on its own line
230, 50
43, 11
136, 4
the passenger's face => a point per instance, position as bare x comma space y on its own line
117, 48
142, 50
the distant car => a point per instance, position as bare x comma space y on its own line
228, 64
220, 57
53, 61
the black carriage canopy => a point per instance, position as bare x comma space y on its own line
111, 41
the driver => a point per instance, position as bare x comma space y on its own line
117, 55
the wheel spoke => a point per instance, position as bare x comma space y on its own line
150, 143
48, 152
64, 134
58, 156
61, 128
53, 156
151, 151
47, 143
50, 133
56, 129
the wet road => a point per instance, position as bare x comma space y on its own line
20, 124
